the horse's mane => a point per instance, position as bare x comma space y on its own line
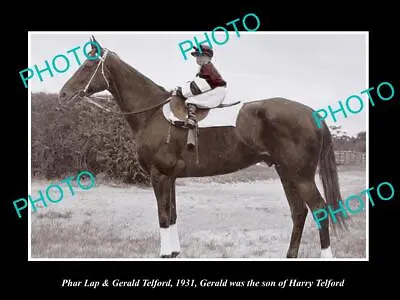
133, 70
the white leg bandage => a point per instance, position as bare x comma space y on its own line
326, 253
175, 246
165, 236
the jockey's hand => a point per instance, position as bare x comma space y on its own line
178, 91
173, 91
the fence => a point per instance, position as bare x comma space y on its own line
350, 157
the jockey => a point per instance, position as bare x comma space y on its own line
207, 90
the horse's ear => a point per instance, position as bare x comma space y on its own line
94, 41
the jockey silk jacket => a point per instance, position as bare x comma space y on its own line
211, 75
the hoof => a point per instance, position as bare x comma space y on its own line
166, 256
175, 254
291, 255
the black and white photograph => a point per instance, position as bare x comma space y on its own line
210, 152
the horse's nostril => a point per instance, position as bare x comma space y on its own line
63, 94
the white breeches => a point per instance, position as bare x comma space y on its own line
209, 99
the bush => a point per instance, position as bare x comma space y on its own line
68, 141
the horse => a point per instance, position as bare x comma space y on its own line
277, 131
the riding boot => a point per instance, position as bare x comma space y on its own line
191, 120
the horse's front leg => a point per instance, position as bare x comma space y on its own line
162, 190
176, 248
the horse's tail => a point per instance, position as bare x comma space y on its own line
329, 177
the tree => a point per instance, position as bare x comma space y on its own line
341, 141
362, 136
361, 141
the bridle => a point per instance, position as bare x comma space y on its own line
102, 59
83, 93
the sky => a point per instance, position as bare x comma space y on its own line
316, 69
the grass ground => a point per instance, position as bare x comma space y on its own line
238, 215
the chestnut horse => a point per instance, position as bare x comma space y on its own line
277, 131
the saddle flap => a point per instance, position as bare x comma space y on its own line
180, 110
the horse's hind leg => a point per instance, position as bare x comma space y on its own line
315, 201
298, 211
300, 192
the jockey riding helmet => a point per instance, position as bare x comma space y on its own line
205, 50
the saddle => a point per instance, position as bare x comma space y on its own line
178, 111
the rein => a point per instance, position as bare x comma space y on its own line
127, 113
91, 99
